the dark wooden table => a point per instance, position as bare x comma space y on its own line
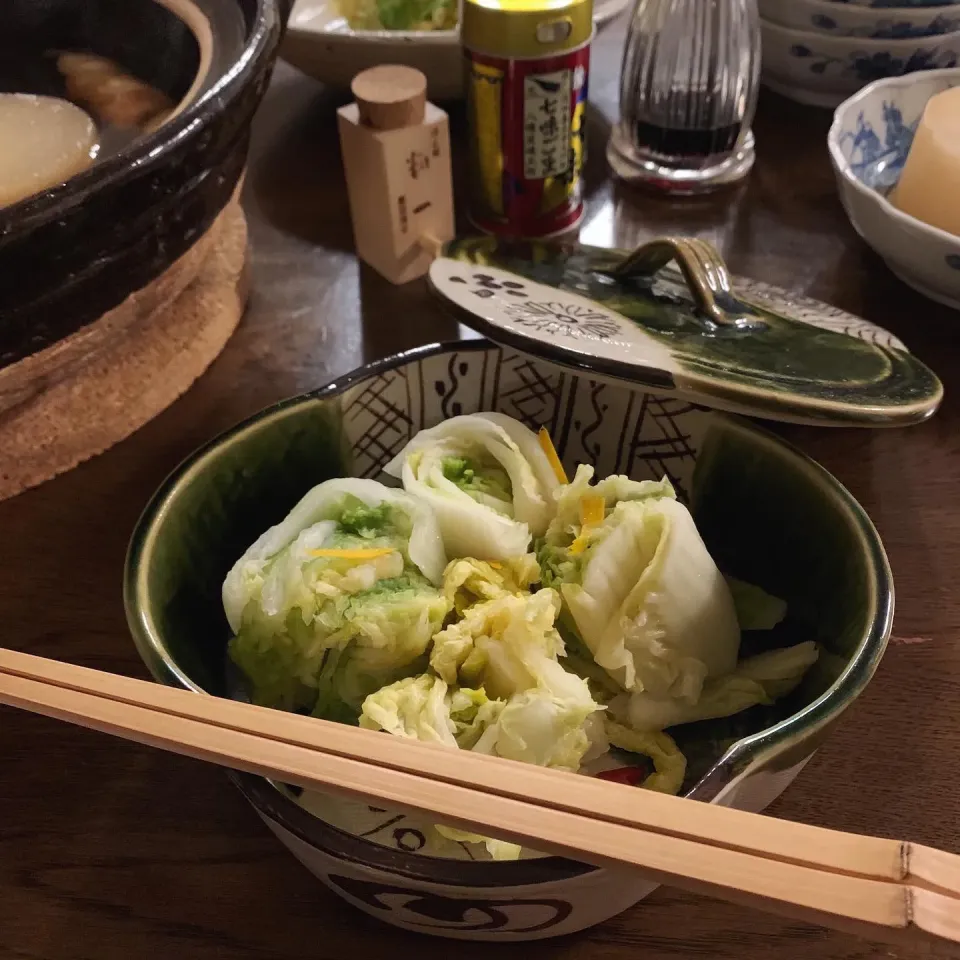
109, 851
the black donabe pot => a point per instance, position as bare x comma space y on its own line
72, 253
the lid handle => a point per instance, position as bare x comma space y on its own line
703, 269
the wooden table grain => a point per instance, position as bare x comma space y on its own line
110, 851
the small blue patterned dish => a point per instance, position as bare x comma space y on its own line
869, 141
823, 70
849, 20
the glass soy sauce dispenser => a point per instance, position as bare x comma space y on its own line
688, 91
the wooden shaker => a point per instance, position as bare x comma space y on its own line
396, 157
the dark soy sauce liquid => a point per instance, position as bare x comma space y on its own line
684, 146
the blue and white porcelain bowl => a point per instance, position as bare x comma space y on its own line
869, 141
823, 70
849, 20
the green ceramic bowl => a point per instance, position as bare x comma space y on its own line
769, 515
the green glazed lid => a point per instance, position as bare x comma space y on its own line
668, 316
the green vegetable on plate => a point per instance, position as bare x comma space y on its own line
399, 14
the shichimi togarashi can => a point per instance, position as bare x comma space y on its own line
527, 64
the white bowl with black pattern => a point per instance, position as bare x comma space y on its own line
752, 495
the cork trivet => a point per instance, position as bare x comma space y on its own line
90, 391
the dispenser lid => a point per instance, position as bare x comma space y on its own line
525, 29
389, 97
669, 317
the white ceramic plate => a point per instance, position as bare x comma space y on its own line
321, 44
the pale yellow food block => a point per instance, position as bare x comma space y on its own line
45, 142
929, 187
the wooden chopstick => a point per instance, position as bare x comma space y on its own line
836, 879
830, 849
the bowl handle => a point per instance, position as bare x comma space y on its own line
703, 270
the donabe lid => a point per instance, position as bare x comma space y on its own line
669, 317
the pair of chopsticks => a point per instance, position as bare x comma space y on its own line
881, 889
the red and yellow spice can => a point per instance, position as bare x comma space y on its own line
527, 64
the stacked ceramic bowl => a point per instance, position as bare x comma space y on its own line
822, 51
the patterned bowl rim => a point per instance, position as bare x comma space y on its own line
842, 165
739, 760
867, 44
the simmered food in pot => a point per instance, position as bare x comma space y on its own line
45, 142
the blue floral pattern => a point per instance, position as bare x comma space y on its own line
887, 29
867, 67
878, 162
878, 4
